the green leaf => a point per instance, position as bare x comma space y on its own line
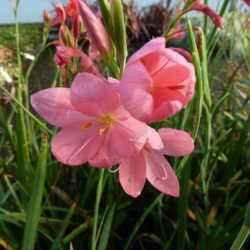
106, 229
34, 206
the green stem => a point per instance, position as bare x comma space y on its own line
206, 2
122, 66
142, 219
241, 237
97, 202
24, 109
23, 156
244, 232
183, 206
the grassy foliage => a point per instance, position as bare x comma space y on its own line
45, 203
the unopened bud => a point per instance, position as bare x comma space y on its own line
119, 28
216, 19
95, 29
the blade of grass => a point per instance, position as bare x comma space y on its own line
26, 110
106, 229
29, 238
13, 192
60, 235
97, 203
142, 219
183, 205
75, 232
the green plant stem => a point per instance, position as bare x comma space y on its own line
122, 66
25, 109
212, 33
206, 2
97, 202
244, 232
23, 156
142, 219
183, 206
175, 20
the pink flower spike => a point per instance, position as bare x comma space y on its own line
176, 142
91, 116
72, 8
163, 79
95, 29
60, 16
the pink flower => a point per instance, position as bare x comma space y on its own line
72, 8
93, 122
150, 164
6, 97
60, 16
64, 54
157, 82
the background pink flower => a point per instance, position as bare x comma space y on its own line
60, 16
72, 8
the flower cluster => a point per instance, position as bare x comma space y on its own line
105, 123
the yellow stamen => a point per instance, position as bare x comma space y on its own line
86, 126
147, 149
101, 130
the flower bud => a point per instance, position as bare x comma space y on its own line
46, 16
76, 27
72, 8
216, 19
119, 28
106, 16
60, 16
95, 29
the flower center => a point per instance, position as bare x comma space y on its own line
106, 121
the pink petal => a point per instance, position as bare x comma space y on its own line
102, 159
166, 110
74, 146
171, 76
114, 83
136, 74
126, 137
155, 61
160, 174
92, 96
176, 142
154, 139
137, 101
132, 174
151, 46
55, 107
